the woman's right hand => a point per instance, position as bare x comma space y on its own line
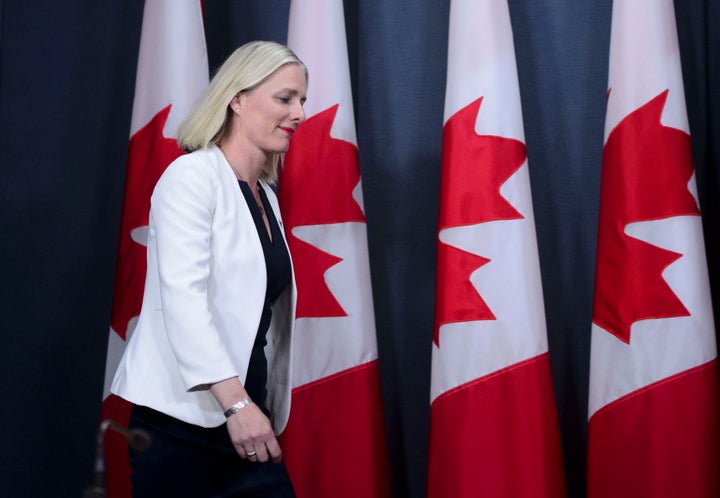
252, 435
250, 430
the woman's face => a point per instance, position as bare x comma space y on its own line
270, 113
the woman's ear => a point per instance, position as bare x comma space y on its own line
235, 103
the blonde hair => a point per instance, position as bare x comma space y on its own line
247, 67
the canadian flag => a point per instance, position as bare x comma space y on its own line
335, 441
493, 421
653, 401
172, 73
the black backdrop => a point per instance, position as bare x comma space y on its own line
67, 73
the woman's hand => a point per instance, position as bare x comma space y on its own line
252, 435
250, 430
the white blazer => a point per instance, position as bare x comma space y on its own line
204, 294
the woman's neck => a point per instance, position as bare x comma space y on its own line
246, 165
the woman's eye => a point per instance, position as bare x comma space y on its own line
284, 100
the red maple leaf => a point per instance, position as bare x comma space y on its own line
315, 188
474, 167
149, 153
645, 172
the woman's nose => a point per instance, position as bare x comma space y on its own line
299, 113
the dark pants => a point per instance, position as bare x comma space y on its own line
185, 460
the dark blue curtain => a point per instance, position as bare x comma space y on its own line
67, 73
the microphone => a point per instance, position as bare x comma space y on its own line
137, 440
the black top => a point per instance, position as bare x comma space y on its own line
277, 266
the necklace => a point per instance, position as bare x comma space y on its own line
259, 202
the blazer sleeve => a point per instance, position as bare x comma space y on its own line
182, 208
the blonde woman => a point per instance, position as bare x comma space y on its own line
207, 367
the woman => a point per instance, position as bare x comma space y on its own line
204, 380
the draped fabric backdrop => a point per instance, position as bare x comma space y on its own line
67, 73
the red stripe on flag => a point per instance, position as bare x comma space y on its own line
117, 459
336, 433
497, 436
660, 441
